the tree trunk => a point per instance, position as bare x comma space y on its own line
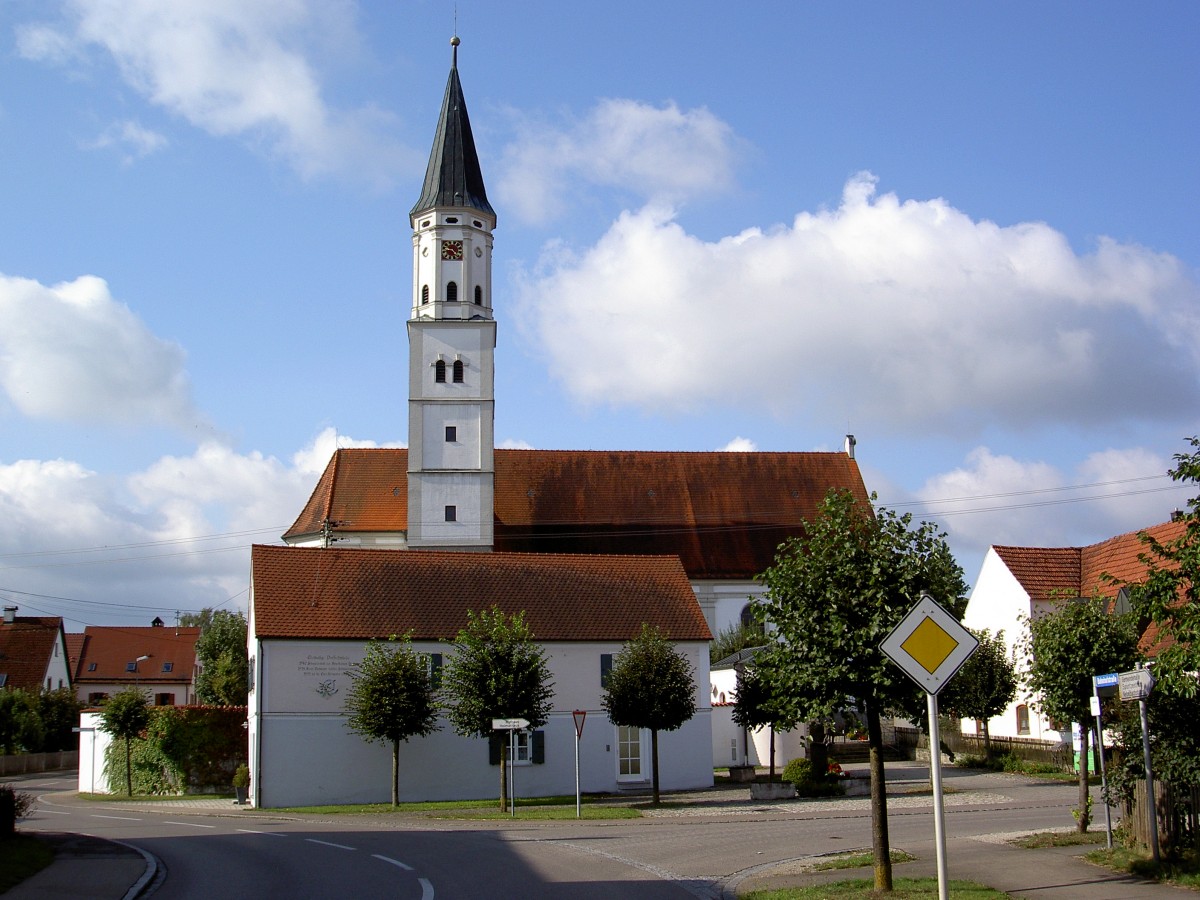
395, 773
654, 761
504, 775
771, 772
987, 742
1085, 727
128, 767
818, 753
879, 826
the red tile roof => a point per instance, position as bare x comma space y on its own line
26, 648
112, 648
1077, 571
360, 594
722, 514
1046, 573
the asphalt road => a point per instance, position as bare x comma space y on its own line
698, 850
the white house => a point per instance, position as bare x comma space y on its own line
313, 611
33, 652
1017, 584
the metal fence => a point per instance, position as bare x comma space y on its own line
910, 740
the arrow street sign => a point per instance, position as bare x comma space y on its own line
1136, 685
509, 724
929, 644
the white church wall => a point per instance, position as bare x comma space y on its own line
308, 756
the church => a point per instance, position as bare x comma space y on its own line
589, 544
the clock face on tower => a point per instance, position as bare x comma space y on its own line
452, 249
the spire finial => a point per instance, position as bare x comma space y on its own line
454, 42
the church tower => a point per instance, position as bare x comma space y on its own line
451, 343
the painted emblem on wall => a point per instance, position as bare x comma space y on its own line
327, 688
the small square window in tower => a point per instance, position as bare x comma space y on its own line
451, 513
451, 434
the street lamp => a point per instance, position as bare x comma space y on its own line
136, 673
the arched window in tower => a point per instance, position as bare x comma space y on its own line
439, 371
452, 292
458, 371
478, 295
424, 293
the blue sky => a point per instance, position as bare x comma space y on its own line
965, 234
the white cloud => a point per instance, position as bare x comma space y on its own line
234, 69
72, 353
514, 444
135, 140
663, 154
739, 445
999, 499
909, 315
175, 535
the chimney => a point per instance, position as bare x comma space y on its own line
10, 615
850, 442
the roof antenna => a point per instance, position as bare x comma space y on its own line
454, 42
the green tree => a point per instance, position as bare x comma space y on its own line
984, 686
391, 699
497, 671
223, 679
1080, 638
651, 685
20, 727
58, 711
756, 707
833, 595
125, 716
734, 638
1169, 595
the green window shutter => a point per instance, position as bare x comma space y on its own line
539, 748
605, 668
495, 746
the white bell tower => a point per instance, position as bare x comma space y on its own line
451, 343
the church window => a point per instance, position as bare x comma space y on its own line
1022, 719
452, 292
451, 513
439, 371
478, 295
458, 371
451, 434
424, 293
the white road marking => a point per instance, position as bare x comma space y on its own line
426, 889
122, 818
190, 824
394, 862
328, 844
52, 812
252, 831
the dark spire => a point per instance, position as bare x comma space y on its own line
453, 177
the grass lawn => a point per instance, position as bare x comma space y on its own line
1059, 839
1184, 871
538, 808
857, 860
904, 889
21, 855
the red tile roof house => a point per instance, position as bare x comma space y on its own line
314, 609
33, 652
160, 660
1019, 583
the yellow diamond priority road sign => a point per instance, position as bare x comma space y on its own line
929, 644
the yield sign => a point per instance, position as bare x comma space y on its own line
929, 644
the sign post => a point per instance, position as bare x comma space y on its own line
512, 726
579, 715
930, 645
1137, 685
1106, 683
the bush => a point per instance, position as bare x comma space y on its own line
13, 805
241, 776
799, 772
